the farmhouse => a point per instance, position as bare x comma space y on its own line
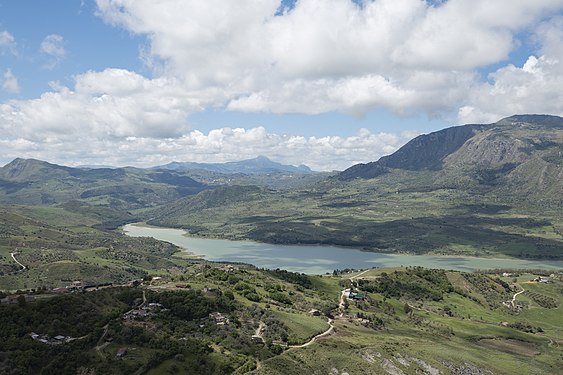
219, 318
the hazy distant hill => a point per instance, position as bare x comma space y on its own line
30, 181
261, 164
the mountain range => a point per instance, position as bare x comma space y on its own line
30, 181
484, 189
260, 164
479, 189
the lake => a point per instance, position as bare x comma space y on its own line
319, 259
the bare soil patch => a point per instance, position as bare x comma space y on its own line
510, 346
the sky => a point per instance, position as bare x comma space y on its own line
326, 83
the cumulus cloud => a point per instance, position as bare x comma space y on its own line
53, 46
408, 56
10, 82
119, 117
219, 145
112, 103
534, 87
122, 118
329, 55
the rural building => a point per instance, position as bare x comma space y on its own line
219, 318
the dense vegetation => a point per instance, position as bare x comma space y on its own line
202, 321
415, 283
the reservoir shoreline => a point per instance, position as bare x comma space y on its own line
320, 259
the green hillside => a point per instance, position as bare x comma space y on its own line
484, 190
40, 183
183, 315
225, 319
58, 245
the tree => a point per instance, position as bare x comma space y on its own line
21, 301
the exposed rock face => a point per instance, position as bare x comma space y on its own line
426, 151
518, 155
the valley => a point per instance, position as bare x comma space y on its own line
431, 196
442, 258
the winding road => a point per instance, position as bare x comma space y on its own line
101, 344
515, 294
330, 321
310, 342
15, 260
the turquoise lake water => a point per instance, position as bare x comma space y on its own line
320, 259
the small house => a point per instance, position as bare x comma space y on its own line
121, 352
219, 318
357, 296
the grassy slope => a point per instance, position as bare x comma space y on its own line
377, 215
62, 244
471, 337
428, 337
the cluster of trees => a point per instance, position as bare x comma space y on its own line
281, 297
415, 283
80, 316
526, 327
292, 277
375, 322
247, 291
543, 300
192, 304
494, 290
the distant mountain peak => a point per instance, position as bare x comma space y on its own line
259, 164
25, 169
261, 158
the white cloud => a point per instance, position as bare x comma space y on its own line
112, 103
121, 118
408, 56
219, 145
10, 82
6, 39
53, 46
329, 55
535, 87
